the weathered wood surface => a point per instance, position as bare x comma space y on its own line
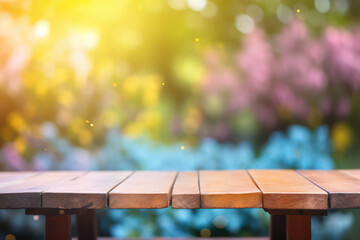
228, 189
186, 192
352, 172
143, 189
87, 191
343, 189
279, 189
7, 178
26, 193
287, 189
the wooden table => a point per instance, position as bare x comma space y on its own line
290, 197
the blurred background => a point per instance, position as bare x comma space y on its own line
181, 85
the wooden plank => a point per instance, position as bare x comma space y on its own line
352, 172
143, 189
286, 189
26, 193
7, 178
88, 191
343, 189
186, 192
228, 189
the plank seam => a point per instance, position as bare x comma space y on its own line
198, 174
328, 193
172, 188
107, 194
262, 194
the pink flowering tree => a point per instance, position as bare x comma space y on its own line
290, 78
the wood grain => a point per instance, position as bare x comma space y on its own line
88, 191
352, 172
286, 189
143, 189
7, 178
228, 189
343, 189
186, 192
26, 193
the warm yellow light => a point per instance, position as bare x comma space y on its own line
205, 233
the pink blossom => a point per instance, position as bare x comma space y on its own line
12, 158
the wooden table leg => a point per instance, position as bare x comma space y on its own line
298, 227
87, 225
58, 227
277, 227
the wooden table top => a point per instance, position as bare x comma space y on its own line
269, 189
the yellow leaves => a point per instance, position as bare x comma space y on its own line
16, 122
84, 137
147, 122
80, 131
66, 98
133, 129
29, 110
104, 68
110, 117
142, 89
342, 136
130, 86
20, 144
40, 90
151, 93
189, 69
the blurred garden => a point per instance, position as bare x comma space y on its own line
179, 85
